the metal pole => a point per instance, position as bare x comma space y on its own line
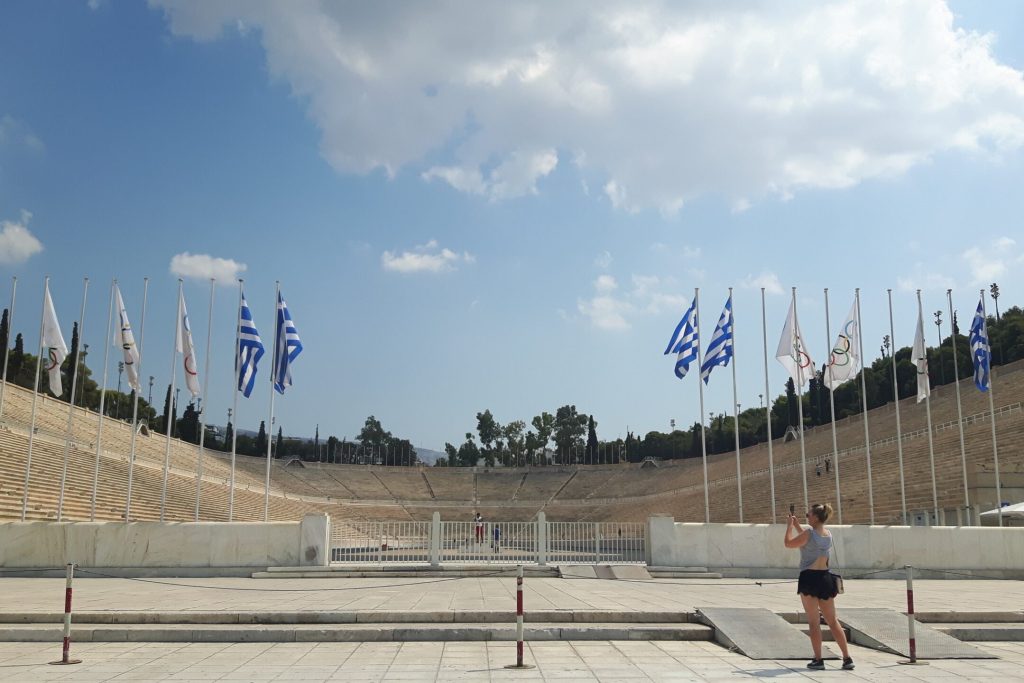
519, 623
768, 405
103, 398
234, 403
700, 389
71, 403
864, 409
172, 404
35, 396
928, 414
135, 402
66, 650
832, 407
10, 328
736, 410
800, 408
910, 614
202, 411
896, 401
270, 435
992, 412
959, 408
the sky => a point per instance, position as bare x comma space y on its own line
506, 206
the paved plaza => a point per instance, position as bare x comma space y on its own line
476, 661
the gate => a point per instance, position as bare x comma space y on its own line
493, 543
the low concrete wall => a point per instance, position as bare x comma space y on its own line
203, 548
756, 550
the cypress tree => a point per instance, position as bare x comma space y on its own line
5, 330
68, 366
229, 435
280, 443
261, 439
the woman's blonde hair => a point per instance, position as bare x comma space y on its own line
822, 511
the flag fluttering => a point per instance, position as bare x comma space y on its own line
53, 346
792, 352
287, 347
844, 360
919, 354
980, 351
684, 341
250, 349
719, 351
183, 345
126, 340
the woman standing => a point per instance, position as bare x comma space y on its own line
816, 587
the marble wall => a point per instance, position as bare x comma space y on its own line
757, 549
164, 544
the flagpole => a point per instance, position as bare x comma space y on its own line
71, 402
135, 403
103, 396
171, 403
35, 396
234, 403
768, 405
270, 425
800, 408
959, 408
992, 412
864, 409
832, 408
928, 412
736, 411
202, 413
896, 401
10, 328
700, 390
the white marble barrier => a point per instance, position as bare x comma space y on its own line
314, 540
861, 547
154, 544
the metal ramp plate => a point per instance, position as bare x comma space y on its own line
758, 633
886, 629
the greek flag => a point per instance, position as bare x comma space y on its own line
287, 346
684, 341
980, 351
719, 351
250, 349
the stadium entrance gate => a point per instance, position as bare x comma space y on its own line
461, 543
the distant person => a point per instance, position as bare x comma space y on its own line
816, 586
479, 528
496, 544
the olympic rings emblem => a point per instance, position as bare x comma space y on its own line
51, 353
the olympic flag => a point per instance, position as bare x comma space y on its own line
792, 351
844, 361
920, 358
126, 340
52, 343
183, 345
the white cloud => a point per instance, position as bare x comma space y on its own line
424, 258
17, 244
606, 312
989, 262
204, 267
655, 102
926, 279
14, 132
603, 260
605, 283
648, 295
768, 280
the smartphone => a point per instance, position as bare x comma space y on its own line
792, 509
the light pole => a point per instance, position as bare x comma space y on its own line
886, 343
149, 399
120, 370
81, 393
993, 289
938, 326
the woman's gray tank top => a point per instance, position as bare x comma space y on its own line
817, 546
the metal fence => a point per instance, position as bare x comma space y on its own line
461, 543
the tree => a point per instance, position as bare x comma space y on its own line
17, 361
469, 453
515, 440
791, 402
188, 426
452, 452
229, 435
570, 426
5, 332
488, 429
68, 366
260, 447
279, 446
167, 410
591, 440
372, 435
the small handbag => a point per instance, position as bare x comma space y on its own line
836, 576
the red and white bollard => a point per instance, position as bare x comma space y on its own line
519, 624
910, 617
65, 659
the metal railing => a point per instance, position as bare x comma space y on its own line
487, 543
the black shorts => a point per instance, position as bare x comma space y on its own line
817, 583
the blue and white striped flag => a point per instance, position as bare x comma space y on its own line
287, 346
250, 349
719, 351
684, 341
980, 351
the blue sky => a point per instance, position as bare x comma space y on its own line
507, 207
